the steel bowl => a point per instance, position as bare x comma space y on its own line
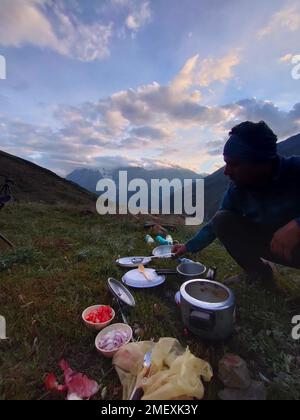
191, 270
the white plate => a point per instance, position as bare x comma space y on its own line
163, 250
136, 279
126, 262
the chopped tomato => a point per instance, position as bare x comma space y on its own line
102, 314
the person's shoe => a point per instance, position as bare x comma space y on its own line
231, 281
266, 275
272, 266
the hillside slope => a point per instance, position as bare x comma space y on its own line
36, 184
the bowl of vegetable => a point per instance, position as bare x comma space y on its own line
98, 317
112, 338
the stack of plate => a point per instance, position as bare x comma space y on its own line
136, 279
130, 262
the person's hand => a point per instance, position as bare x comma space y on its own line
179, 249
285, 240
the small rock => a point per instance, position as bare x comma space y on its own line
2, 328
178, 298
139, 332
157, 309
73, 397
256, 392
104, 393
158, 230
234, 373
22, 299
264, 378
116, 391
87, 212
186, 332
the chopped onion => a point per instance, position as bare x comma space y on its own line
113, 340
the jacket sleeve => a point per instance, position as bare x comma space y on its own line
206, 235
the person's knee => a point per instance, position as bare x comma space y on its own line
222, 220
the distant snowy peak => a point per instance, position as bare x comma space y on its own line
89, 177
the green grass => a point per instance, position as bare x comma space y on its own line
61, 266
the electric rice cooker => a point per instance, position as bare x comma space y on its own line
207, 309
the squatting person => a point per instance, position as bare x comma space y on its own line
259, 218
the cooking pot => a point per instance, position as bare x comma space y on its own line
191, 270
207, 309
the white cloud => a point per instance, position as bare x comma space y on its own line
150, 132
186, 78
115, 122
49, 24
139, 16
286, 58
86, 42
286, 19
283, 123
115, 162
218, 70
203, 73
166, 123
121, 2
22, 22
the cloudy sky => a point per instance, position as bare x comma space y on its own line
150, 82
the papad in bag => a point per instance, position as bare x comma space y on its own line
175, 372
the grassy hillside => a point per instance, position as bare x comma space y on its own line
36, 184
61, 266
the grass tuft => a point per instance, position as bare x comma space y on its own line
61, 266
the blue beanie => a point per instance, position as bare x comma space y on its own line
240, 148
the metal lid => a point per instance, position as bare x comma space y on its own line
207, 294
131, 262
121, 292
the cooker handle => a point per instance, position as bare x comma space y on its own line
204, 320
211, 273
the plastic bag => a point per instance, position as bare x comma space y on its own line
175, 372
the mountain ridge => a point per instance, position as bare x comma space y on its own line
33, 183
88, 177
